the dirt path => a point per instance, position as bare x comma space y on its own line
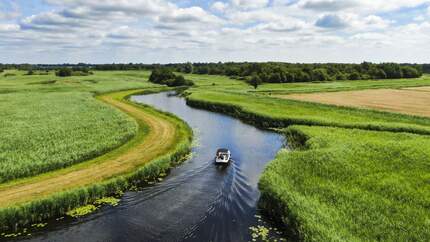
414, 101
159, 139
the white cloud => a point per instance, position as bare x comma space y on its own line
219, 6
357, 6
329, 5
232, 30
9, 27
250, 4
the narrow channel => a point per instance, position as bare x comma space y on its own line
198, 201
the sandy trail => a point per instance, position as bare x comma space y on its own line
159, 140
413, 101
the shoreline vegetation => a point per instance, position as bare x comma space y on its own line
349, 185
343, 181
140, 161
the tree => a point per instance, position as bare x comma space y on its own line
30, 72
180, 81
320, 75
164, 76
410, 72
63, 72
255, 81
378, 73
161, 75
188, 68
392, 70
354, 76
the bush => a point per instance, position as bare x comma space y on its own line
164, 76
180, 81
64, 72
255, 81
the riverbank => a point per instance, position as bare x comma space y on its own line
355, 175
350, 185
162, 140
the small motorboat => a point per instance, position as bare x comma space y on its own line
222, 156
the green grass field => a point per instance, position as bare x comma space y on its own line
338, 185
289, 88
351, 185
50, 122
295, 112
47, 131
100, 82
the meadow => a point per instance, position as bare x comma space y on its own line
347, 179
270, 112
335, 86
50, 122
350, 185
47, 131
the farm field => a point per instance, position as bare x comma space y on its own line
56, 138
296, 112
50, 122
351, 185
413, 101
335, 86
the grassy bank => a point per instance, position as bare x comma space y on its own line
161, 141
269, 112
351, 185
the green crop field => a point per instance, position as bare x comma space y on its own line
351, 185
47, 131
49, 122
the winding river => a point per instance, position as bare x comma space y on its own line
197, 201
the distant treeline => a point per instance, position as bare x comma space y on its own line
274, 72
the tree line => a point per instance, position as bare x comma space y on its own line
275, 72
272, 72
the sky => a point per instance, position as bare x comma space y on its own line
162, 31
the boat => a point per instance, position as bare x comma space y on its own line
222, 156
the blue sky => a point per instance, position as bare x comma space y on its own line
162, 31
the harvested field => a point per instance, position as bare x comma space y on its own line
413, 101
422, 89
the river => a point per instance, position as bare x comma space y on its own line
197, 201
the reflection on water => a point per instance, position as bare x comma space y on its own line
198, 201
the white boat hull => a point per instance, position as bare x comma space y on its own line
222, 161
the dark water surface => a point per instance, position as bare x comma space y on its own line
198, 201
